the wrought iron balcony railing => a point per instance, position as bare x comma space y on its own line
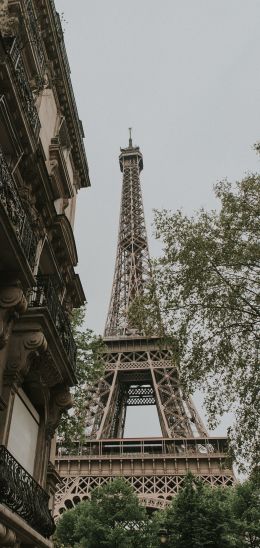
23, 495
45, 294
35, 33
23, 84
12, 204
65, 57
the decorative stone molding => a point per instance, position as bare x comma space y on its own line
58, 170
7, 536
29, 202
61, 400
8, 25
24, 345
63, 240
53, 478
45, 294
12, 303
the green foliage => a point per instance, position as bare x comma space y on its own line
246, 507
113, 518
207, 283
144, 313
200, 517
204, 517
89, 369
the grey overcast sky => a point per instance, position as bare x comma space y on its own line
185, 75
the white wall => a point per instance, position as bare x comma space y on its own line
23, 433
48, 115
70, 210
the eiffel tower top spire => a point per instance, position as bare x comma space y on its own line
130, 138
132, 268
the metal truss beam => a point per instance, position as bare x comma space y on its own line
155, 467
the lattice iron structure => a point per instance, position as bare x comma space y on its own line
132, 271
139, 370
154, 467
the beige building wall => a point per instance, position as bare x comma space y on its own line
23, 434
48, 114
42, 166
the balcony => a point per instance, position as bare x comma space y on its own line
23, 495
24, 10
15, 226
145, 448
34, 35
45, 295
54, 44
16, 75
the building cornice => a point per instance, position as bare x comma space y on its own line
54, 44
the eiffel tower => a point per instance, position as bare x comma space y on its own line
139, 370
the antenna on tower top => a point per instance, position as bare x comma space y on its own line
130, 138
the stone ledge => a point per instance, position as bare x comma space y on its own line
23, 531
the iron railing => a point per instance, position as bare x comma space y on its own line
35, 33
45, 294
178, 447
12, 204
23, 84
23, 495
60, 36
65, 59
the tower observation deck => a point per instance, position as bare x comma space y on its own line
139, 370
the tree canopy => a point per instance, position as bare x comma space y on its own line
199, 516
207, 283
112, 518
89, 368
204, 517
246, 508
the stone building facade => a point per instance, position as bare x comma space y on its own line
42, 167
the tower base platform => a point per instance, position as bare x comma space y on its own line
155, 467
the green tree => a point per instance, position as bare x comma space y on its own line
112, 518
207, 282
200, 517
246, 508
89, 368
